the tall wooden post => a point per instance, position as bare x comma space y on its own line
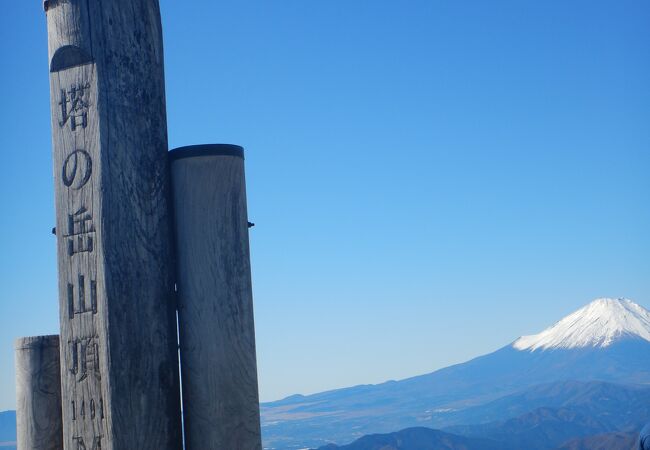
38, 394
120, 387
217, 334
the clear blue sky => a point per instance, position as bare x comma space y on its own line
429, 179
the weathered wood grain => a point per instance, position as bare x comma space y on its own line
217, 333
38, 393
120, 387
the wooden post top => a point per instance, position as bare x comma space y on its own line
25, 343
193, 151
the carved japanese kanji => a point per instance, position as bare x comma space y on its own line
80, 232
85, 358
86, 301
74, 106
81, 444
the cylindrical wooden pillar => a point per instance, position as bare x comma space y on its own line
119, 359
38, 393
217, 334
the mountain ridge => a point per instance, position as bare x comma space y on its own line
434, 399
419, 438
575, 415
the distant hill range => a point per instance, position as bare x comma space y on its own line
608, 441
583, 416
588, 374
418, 439
427, 439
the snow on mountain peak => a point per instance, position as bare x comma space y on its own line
598, 324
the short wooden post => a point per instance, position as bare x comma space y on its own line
119, 360
38, 393
217, 333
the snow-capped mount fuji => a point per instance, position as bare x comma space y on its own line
599, 324
607, 341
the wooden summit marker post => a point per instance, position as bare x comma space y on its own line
119, 364
215, 300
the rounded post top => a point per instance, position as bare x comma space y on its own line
26, 343
193, 151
